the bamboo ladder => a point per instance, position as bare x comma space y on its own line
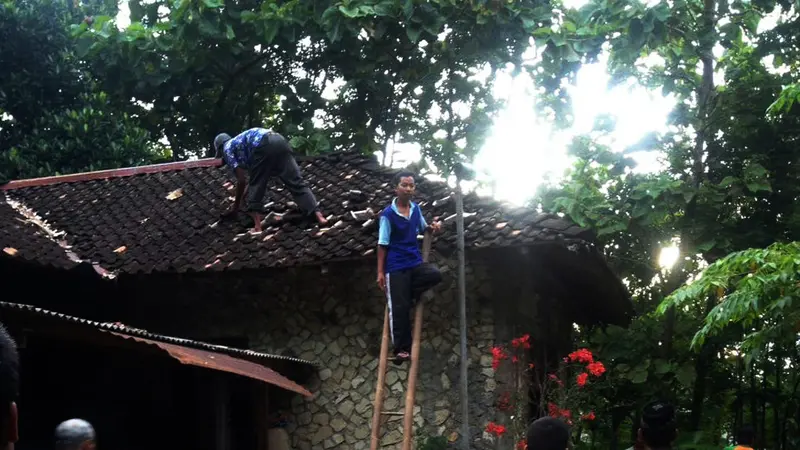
408, 413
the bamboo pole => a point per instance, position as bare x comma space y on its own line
411, 389
378, 405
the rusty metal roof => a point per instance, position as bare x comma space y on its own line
224, 363
138, 332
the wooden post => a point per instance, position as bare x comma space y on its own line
378, 404
261, 405
221, 405
411, 389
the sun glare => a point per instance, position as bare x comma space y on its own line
668, 257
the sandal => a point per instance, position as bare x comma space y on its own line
401, 357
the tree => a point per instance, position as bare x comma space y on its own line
726, 187
210, 65
54, 120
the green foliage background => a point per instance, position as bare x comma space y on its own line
717, 333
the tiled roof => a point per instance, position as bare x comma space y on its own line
166, 218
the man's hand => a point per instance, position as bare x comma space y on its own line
436, 225
382, 281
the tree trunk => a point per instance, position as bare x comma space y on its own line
762, 441
776, 403
753, 398
702, 366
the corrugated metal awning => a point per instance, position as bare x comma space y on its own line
195, 353
222, 362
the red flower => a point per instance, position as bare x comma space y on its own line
553, 410
495, 429
514, 359
497, 356
596, 368
589, 416
504, 404
522, 445
522, 342
531, 365
582, 355
553, 377
566, 413
581, 380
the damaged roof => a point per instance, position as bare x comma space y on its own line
165, 218
120, 328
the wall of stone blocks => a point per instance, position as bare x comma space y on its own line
333, 315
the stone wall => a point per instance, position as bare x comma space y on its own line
333, 315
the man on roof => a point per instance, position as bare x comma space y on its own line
262, 154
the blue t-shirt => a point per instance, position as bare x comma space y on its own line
399, 233
237, 151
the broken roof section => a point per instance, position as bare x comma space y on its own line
165, 218
196, 353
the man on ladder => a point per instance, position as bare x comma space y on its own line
402, 274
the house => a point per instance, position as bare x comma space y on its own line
145, 246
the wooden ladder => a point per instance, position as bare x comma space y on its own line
411, 388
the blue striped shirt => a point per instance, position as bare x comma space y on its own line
237, 151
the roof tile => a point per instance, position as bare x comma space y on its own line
163, 231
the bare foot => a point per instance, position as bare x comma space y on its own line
257, 218
321, 219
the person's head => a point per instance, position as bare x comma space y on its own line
658, 428
746, 436
219, 142
9, 387
75, 434
548, 433
404, 184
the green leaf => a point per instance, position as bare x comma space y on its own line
529, 23
638, 376
408, 8
335, 33
213, 3
635, 31
207, 28
616, 227
349, 11
728, 181
271, 30
248, 16
751, 20
571, 55
83, 46
686, 375
662, 12
413, 33
229, 33
663, 366
707, 245
384, 9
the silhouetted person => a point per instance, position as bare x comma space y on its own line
548, 433
9, 388
75, 434
745, 439
658, 429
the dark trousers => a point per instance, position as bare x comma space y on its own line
403, 290
274, 157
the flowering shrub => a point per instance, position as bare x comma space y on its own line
559, 396
562, 397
